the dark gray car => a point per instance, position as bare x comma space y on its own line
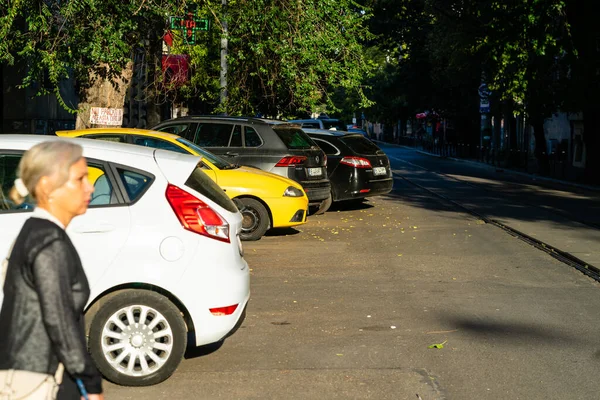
270, 145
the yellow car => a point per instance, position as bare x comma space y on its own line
265, 200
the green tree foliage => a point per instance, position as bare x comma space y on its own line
523, 48
83, 39
284, 55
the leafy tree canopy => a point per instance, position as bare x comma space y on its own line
78, 38
284, 55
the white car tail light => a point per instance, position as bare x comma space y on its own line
196, 216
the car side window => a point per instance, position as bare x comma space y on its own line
104, 193
251, 137
236, 137
213, 135
157, 144
327, 147
8, 173
184, 130
135, 182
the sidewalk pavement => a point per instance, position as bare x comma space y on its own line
534, 177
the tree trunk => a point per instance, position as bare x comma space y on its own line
102, 93
540, 145
510, 125
592, 147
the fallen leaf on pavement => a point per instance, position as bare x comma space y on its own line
437, 345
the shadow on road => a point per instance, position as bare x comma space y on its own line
351, 205
194, 352
516, 333
281, 232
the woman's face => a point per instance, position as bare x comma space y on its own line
74, 195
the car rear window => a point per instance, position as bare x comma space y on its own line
334, 124
361, 145
294, 138
202, 184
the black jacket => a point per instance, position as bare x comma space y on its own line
45, 292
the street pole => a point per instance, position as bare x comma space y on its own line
484, 109
224, 45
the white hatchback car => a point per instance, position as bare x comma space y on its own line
160, 246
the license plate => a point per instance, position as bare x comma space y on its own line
379, 171
315, 171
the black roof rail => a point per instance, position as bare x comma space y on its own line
227, 118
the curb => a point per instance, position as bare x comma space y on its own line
502, 170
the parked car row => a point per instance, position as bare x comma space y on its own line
274, 146
271, 145
161, 242
266, 200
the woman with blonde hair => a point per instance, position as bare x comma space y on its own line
45, 288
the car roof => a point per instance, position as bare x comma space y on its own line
29, 140
122, 153
328, 132
120, 131
227, 118
314, 119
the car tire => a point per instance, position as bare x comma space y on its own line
255, 219
126, 325
325, 204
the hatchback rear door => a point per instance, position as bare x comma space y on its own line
367, 149
305, 159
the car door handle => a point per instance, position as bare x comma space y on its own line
230, 154
95, 228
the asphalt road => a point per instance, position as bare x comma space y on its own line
564, 217
347, 306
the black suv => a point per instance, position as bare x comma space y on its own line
270, 145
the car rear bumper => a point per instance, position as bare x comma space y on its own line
219, 327
361, 188
216, 283
317, 191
